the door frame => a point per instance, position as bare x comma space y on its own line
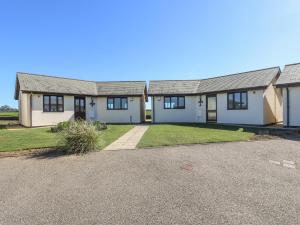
79, 97
207, 111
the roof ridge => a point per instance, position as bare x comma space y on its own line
235, 74
120, 81
67, 78
292, 64
44, 75
177, 80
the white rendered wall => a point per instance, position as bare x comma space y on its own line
40, 118
131, 115
254, 115
192, 113
24, 109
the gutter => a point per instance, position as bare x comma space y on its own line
153, 109
288, 106
30, 103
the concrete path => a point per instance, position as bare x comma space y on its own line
129, 140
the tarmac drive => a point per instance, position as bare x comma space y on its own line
231, 183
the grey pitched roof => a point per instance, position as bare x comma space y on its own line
247, 80
173, 87
50, 84
290, 75
121, 88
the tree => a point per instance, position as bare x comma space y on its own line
6, 108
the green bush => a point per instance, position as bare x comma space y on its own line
60, 126
80, 137
64, 125
100, 126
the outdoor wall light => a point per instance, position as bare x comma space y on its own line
200, 100
92, 103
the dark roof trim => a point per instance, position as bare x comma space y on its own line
175, 94
213, 92
233, 90
295, 84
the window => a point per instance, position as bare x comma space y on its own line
117, 103
237, 100
174, 102
52, 103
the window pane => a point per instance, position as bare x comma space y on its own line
211, 103
211, 116
124, 103
167, 103
60, 100
76, 105
46, 107
82, 105
117, 103
230, 101
110, 103
53, 100
237, 100
53, 103
60, 108
82, 102
53, 108
174, 103
46, 99
244, 100
181, 102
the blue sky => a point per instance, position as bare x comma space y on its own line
144, 40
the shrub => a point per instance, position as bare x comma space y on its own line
80, 137
100, 126
60, 126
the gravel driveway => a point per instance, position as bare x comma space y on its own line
232, 183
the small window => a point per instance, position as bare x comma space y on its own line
110, 103
167, 103
181, 102
53, 103
174, 102
117, 103
237, 100
230, 101
244, 100
124, 103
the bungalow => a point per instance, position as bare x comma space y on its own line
289, 82
48, 100
243, 98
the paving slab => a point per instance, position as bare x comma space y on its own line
129, 140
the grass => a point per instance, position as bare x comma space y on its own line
180, 134
5, 122
148, 112
4, 114
32, 138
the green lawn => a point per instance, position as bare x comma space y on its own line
9, 114
172, 134
5, 122
29, 138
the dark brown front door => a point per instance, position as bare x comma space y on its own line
211, 108
79, 106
